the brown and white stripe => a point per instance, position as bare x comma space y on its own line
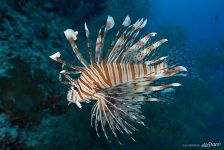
104, 75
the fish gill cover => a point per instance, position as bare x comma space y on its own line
33, 107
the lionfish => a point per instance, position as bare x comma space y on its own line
121, 80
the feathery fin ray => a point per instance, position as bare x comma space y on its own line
71, 36
89, 44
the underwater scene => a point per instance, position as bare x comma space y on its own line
111, 74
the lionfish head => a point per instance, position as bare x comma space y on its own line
73, 97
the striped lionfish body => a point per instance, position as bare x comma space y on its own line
120, 81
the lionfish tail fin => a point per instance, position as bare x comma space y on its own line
182, 54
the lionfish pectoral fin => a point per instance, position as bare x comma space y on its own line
116, 113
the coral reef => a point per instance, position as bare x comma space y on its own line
11, 136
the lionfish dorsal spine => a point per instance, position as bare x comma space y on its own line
98, 52
142, 53
89, 46
152, 47
57, 57
100, 39
109, 25
126, 23
121, 47
141, 42
72, 37
131, 36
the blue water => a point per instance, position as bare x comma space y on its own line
202, 20
34, 112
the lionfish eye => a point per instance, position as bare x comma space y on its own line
75, 88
